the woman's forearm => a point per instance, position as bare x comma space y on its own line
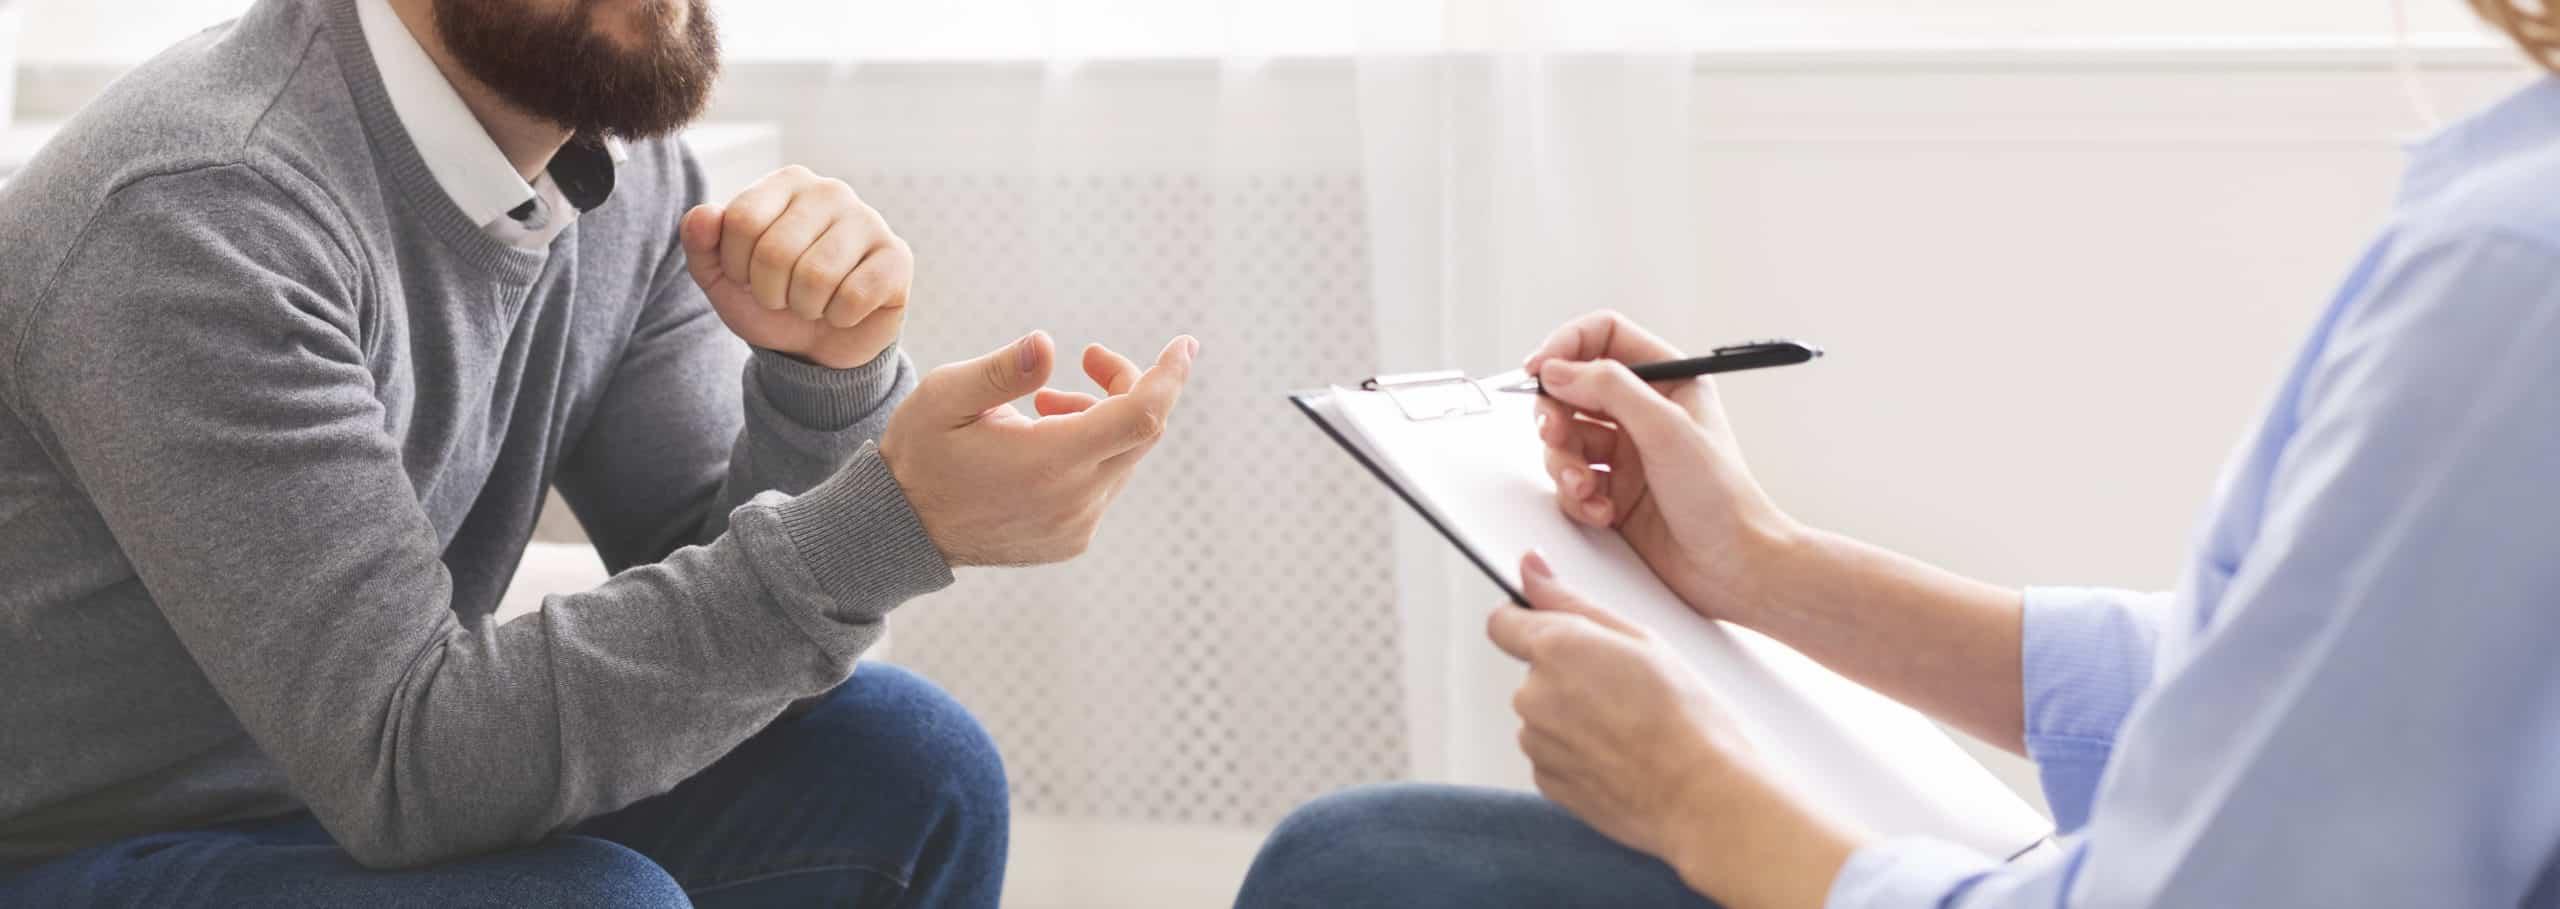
1940, 642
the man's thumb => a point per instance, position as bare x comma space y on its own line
967, 388
699, 234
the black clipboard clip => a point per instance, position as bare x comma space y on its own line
1424, 397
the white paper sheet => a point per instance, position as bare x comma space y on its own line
1857, 754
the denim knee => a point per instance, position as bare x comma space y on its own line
1333, 837
1409, 845
578, 872
949, 750
912, 734
1345, 816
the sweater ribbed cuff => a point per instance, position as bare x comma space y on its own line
821, 398
862, 541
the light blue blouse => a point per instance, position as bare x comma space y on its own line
2353, 697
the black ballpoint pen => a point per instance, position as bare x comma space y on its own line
1730, 358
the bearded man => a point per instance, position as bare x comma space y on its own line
298, 323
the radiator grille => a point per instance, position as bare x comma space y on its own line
1228, 649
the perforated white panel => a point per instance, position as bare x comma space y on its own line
1228, 649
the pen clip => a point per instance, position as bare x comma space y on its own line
1766, 346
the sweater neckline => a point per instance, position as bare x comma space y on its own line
400, 162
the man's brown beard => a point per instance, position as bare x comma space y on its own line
559, 69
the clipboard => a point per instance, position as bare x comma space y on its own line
1465, 457
1402, 388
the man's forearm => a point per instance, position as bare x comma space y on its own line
1943, 643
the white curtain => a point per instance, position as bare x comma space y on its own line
1258, 623
1507, 191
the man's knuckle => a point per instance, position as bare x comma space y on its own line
775, 255
845, 299
893, 259
745, 217
812, 282
869, 284
863, 211
1149, 424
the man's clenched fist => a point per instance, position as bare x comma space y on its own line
798, 264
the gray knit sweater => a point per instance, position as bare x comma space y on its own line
275, 422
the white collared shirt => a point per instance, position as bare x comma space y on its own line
457, 149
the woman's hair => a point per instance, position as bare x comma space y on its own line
2533, 23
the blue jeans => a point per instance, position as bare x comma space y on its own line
884, 793
1416, 846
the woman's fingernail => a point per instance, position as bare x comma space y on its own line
1535, 564
1195, 347
1026, 351
1559, 377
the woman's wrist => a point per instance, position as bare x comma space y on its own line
1751, 844
1940, 642
1777, 557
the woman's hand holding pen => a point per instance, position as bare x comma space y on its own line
1660, 464
1619, 729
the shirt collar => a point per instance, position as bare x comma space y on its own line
465, 161
2527, 121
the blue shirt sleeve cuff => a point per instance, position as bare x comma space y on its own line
1906, 872
2086, 657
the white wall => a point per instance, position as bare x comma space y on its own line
81, 31
2054, 298
126, 30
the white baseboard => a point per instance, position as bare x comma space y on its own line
1077, 863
